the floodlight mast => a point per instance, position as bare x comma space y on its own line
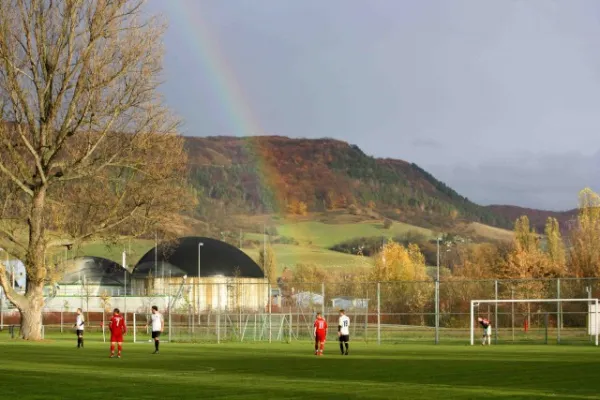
496, 301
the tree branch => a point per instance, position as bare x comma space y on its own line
11, 294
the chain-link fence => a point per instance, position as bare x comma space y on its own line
380, 312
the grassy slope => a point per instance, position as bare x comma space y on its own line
56, 370
313, 237
316, 237
327, 235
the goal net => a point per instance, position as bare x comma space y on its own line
537, 320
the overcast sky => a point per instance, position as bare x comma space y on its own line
499, 99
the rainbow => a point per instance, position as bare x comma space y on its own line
229, 94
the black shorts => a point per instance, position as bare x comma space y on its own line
155, 334
344, 338
79, 332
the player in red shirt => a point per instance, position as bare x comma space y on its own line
117, 330
320, 334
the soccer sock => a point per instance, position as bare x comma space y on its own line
346, 344
112, 349
120, 348
156, 342
78, 342
341, 347
322, 346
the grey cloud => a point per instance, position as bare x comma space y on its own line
427, 143
547, 181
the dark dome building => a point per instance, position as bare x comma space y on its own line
187, 255
95, 275
218, 275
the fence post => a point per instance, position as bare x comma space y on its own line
558, 312
546, 328
170, 312
323, 295
378, 312
496, 312
437, 310
367, 316
290, 323
270, 311
218, 313
512, 318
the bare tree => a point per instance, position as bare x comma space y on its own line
87, 149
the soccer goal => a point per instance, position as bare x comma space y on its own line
531, 319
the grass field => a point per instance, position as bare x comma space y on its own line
56, 370
326, 235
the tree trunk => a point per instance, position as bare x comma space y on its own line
31, 318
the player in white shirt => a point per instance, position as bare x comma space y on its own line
156, 320
79, 326
344, 332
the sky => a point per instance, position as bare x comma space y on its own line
500, 99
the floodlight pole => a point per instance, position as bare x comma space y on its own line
437, 295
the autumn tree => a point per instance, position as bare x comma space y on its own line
268, 263
555, 246
528, 264
585, 238
87, 149
398, 263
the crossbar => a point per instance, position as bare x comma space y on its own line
496, 301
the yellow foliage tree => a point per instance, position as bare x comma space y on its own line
398, 263
292, 206
302, 208
525, 238
585, 238
555, 247
266, 260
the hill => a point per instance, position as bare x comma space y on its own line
537, 218
274, 175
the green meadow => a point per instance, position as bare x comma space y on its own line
55, 369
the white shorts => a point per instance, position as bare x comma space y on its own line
488, 331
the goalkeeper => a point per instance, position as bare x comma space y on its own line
487, 330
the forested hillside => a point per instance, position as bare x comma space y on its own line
273, 174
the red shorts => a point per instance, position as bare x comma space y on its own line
116, 338
320, 337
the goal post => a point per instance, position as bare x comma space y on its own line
593, 312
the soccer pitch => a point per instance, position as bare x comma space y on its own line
55, 369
